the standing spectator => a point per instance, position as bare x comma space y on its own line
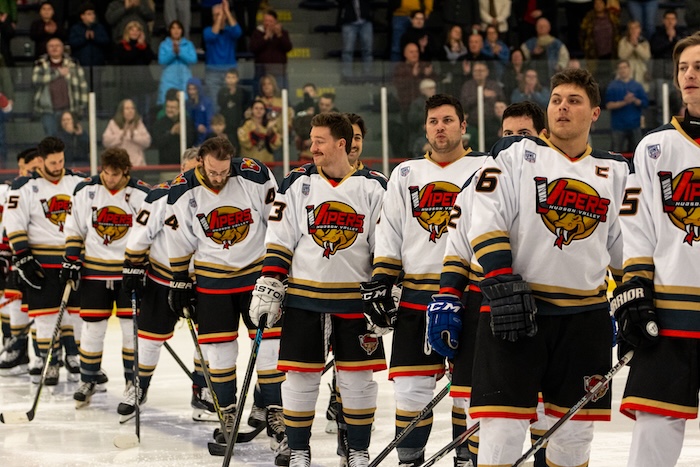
546, 52
270, 44
178, 10
492, 92
220, 39
464, 14
496, 50
199, 108
514, 74
133, 55
419, 35
122, 12
495, 13
259, 135
45, 28
576, 10
625, 98
356, 25
233, 101
634, 48
475, 53
526, 13
600, 34
662, 44
77, 150
166, 130
7, 95
60, 85
88, 39
8, 25
126, 130
408, 75
401, 21
176, 54
453, 52
531, 90
645, 11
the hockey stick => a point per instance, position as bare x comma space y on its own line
593, 392
451, 445
13, 340
409, 428
133, 440
177, 359
22, 417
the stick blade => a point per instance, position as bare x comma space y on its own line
248, 436
126, 441
15, 418
216, 449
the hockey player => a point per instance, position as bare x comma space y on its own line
656, 304
147, 272
321, 239
104, 208
411, 238
217, 217
544, 229
37, 207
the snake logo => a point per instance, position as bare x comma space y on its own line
334, 226
56, 208
226, 225
111, 223
681, 201
432, 205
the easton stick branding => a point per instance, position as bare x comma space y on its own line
111, 223
432, 205
226, 225
56, 208
334, 226
680, 196
571, 209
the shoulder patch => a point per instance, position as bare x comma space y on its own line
19, 182
181, 184
76, 173
94, 180
373, 175
250, 169
305, 170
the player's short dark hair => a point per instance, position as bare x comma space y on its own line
116, 158
218, 147
438, 100
28, 155
681, 45
338, 124
357, 120
526, 109
578, 77
50, 145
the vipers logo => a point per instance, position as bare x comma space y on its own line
431, 206
56, 208
334, 226
226, 225
681, 199
571, 209
111, 223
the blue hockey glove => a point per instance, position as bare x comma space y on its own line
444, 324
512, 306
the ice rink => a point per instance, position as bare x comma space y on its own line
60, 435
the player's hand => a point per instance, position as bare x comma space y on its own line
378, 304
633, 307
182, 296
444, 324
267, 301
513, 308
5, 262
29, 269
70, 271
133, 277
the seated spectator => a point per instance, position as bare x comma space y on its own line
644, 12
308, 104
599, 36
167, 128
545, 52
218, 127
531, 90
88, 39
60, 85
418, 34
259, 136
496, 50
133, 55
400, 11
514, 73
122, 12
326, 103
492, 92
220, 44
199, 108
636, 49
416, 113
233, 101
8, 27
45, 28
270, 96
625, 98
176, 54
408, 75
126, 130
77, 150
452, 54
495, 13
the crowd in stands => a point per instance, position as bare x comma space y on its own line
437, 46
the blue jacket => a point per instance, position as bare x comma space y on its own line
221, 47
627, 117
89, 53
176, 68
201, 112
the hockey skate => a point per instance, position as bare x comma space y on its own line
278, 440
300, 458
412, 462
101, 379
229, 413
127, 408
36, 369
15, 362
52, 375
358, 458
257, 416
72, 365
459, 462
84, 394
203, 405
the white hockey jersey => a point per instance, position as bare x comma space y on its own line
661, 226
412, 231
321, 235
224, 231
100, 223
36, 212
551, 219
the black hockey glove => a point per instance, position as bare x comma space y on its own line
633, 307
513, 308
70, 271
182, 295
5, 262
133, 277
29, 269
378, 304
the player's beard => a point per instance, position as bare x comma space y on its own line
52, 174
446, 145
215, 185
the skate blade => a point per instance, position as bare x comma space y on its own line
204, 416
126, 441
73, 377
125, 418
332, 427
101, 388
35, 378
81, 404
15, 371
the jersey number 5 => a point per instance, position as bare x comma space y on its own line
630, 203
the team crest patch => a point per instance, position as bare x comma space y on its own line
250, 164
142, 183
530, 156
56, 208
226, 225
377, 174
91, 195
111, 223
334, 226
680, 196
589, 382
193, 203
369, 343
179, 180
432, 205
404, 171
305, 189
654, 151
299, 170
